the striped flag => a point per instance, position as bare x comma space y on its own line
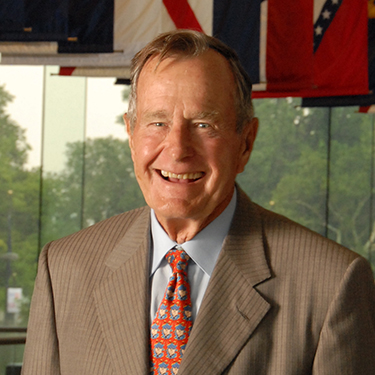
36, 20
341, 56
367, 109
133, 24
306, 48
316, 48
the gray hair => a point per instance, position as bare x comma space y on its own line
189, 43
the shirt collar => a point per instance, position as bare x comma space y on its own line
204, 248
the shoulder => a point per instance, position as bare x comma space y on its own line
287, 236
93, 244
290, 246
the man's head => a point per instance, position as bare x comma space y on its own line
187, 43
189, 135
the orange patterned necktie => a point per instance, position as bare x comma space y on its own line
172, 324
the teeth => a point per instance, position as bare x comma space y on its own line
185, 176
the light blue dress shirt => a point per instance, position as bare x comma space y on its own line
203, 250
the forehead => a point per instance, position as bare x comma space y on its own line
210, 62
209, 74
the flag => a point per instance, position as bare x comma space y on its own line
367, 109
238, 24
328, 38
363, 101
309, 48
275, 42
90, 27
33, 20
341, 59
182, 15
133, 24
131, 33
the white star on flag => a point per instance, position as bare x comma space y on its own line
326, 14
318, 30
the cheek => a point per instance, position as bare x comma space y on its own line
226, 158
228, 164
144, 152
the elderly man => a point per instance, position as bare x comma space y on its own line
251, 292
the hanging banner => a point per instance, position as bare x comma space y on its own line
310, 48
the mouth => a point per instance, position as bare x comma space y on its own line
183, 177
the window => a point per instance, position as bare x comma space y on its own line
65, 165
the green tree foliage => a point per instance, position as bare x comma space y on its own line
284, 131
14, 149
98, 182
19, 208
288, 169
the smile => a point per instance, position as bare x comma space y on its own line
184, 176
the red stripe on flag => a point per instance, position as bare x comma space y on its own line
289, 61
66, 71
364, 109
182, 15
341, 61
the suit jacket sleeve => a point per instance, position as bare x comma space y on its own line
41, 352
347, 339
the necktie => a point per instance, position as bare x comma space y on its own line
172, 324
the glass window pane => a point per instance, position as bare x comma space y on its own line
350, 183
110, 184
64, 127
88, 173
21, 90
287, 169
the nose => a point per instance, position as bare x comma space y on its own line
180, 142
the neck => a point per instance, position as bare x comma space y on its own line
182, 230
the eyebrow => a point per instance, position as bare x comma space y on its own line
203, 115
206, 115
162, 115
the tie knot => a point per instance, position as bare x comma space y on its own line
178, 259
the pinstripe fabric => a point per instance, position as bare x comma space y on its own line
96, 304
281, 300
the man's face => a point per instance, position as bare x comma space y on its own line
185, 146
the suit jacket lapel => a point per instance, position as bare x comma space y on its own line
231, 308
122, 301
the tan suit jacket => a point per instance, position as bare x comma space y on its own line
281, 300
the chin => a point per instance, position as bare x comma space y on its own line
177, 210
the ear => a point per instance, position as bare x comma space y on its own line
248, 136
129, 132
127, 125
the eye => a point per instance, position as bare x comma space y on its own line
159, 124
203, 125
